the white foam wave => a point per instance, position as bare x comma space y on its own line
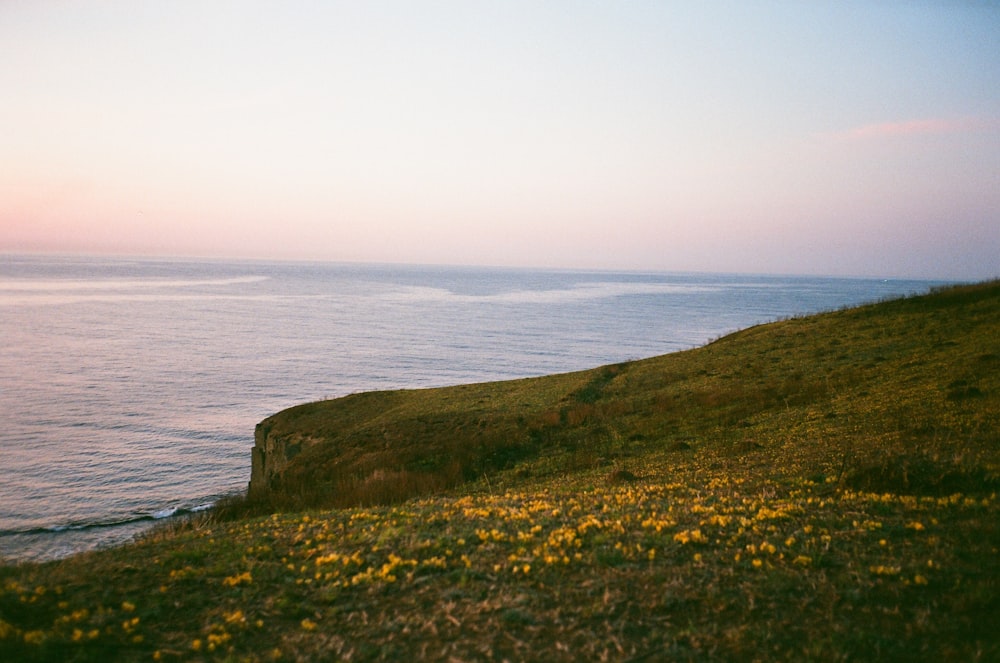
72, 285
579, 292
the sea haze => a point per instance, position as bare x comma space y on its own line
130, 388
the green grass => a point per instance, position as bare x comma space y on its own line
820, 488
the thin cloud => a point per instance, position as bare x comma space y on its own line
910, 127
918, 127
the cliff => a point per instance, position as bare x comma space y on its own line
271, 454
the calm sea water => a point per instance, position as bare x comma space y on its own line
129, 389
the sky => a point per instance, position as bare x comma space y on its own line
838, 138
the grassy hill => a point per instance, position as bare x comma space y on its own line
819, 488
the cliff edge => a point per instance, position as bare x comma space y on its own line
271, 455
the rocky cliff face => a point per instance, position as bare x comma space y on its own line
271, 454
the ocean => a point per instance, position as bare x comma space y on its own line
130, 388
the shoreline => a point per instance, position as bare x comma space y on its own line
47, 544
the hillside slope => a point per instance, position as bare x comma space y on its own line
917, 375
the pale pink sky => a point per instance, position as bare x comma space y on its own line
782, 137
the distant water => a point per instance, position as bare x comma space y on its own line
129, 389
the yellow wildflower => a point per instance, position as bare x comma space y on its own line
234, 617
242, 578
882, 570
690, 536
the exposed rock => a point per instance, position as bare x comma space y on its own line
271, 454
